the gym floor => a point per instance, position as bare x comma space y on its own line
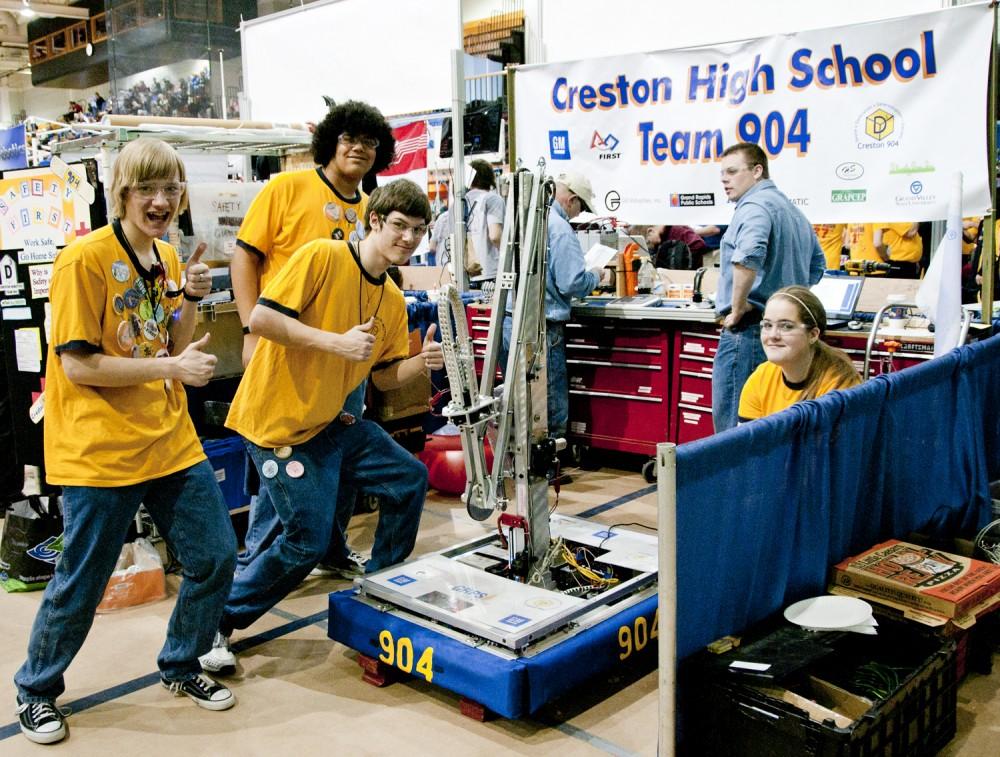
300, 693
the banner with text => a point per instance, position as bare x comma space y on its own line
860, 123
12, 148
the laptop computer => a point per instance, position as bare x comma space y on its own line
839, 295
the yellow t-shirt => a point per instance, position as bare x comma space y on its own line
860, 241
766, 392
969, 247
831, 240
289, 395
901, 248
113, 436
295, 208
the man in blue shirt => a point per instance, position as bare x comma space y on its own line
769, 245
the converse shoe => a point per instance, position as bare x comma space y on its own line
203, 690
352, 567
41, 722
220, 658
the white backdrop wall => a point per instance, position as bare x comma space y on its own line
47, 102
581, 29
394, 54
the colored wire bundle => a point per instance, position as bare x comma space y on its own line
590, 574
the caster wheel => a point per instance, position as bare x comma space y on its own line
649, 471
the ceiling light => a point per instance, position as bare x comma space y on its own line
27, 11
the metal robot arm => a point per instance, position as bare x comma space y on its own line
515, 423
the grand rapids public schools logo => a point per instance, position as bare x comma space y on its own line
692, 199
878, 127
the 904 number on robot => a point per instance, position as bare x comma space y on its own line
399, 653
635, 637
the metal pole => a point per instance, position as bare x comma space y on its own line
988, 257
511, 126
222, 80
666, 519
458, 172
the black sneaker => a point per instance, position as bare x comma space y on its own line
204, 691
352, 567
41, 722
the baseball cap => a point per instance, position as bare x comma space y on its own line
579, 185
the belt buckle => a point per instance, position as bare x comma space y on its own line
347, 419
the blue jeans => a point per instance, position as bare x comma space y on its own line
557, 380
264, 524
191, 515
361, 456
740, 352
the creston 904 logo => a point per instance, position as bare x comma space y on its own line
606, 146
878, 127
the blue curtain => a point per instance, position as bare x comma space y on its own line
765, 509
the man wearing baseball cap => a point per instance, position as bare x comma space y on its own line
567, 277
574, 187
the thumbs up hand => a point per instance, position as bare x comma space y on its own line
431, 350
194, 366
197, 275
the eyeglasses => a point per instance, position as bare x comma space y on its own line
782, 327
171, 189
732, 171
402, 228
349, 140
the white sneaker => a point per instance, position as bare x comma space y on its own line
220, 659
352, 567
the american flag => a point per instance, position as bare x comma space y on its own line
411, 150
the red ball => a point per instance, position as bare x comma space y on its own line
442, 454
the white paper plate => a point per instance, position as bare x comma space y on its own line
829, 612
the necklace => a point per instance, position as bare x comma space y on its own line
144, 298
361, 282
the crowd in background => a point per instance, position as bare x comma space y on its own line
191, 97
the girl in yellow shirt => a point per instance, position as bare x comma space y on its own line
800, 366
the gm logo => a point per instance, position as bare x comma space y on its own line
559, 145
916, 187
401, 580
514, 620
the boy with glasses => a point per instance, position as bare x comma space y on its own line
117, 434
294, 208
329, 317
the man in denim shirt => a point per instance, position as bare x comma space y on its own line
769, 245
567, 277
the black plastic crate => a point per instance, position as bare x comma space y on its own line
736, 716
